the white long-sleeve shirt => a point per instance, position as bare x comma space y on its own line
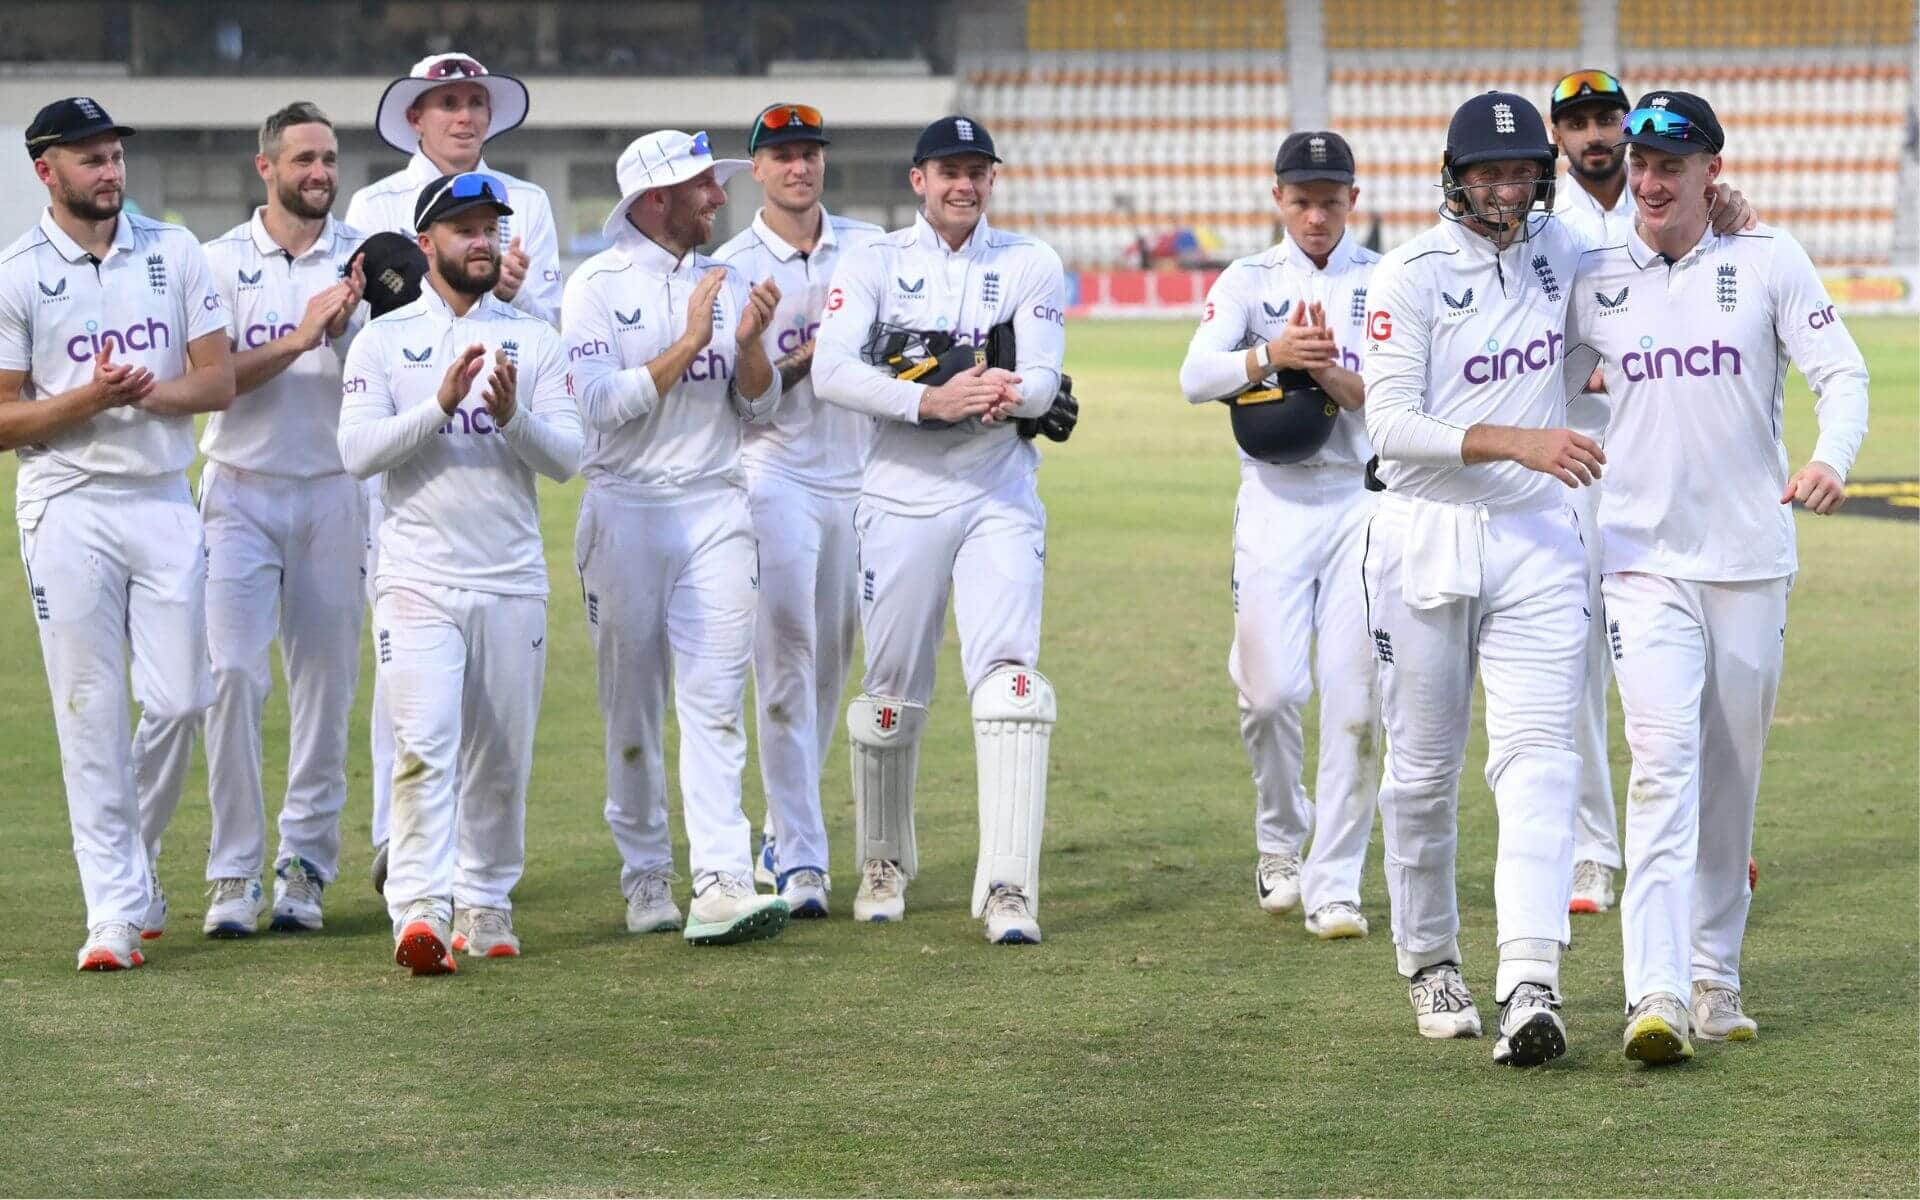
1695, 356
461, 507
818, 445
1251, 303
1595, 225
624, 307
145, 301
1459, 335
912, 278
287, 425
387, 205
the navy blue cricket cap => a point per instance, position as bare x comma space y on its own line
1314, 154
953, 135
74, 119
1676, 122
451, 195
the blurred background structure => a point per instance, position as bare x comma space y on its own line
1139, 134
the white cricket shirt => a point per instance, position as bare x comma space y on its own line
1251, 303
461, 509
1596, 226
387, 205
1696, 355
1459, 335
912, 278
624, 307
287, 425
145, 301
818, 445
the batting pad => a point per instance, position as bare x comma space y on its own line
886, 754
1013, 715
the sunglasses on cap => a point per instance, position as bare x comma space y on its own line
1663, 124
1594, 83
469, 185
454, 68
782, 115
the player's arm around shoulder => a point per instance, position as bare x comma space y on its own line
543, 427
1808, 324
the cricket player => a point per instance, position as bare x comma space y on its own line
1585, 112
1697, 328
1474, 564
442, 113
803, 477
1299, 529
668, 359
457, 400
112, 336
285, 527
948, 504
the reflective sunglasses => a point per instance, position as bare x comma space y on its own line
454, 68
782, 115
1596, 83
469, 185
1663, 124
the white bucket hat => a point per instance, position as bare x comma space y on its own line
506, 95
660, 160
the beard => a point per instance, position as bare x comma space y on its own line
89, 208
462, 278
295, 201
1615, 164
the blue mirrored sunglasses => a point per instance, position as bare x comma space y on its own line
1661, 123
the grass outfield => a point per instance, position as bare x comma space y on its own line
1168, 1038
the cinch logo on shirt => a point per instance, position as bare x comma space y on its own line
1671, 362
791, 340
476, 421
1047, 312
151, 335
353, 386
259, 335
1819, 318
711, 365
588, 350
1497, 364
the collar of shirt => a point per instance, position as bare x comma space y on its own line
649, 255
1580, 195
1478, 246
1645, 256
1288, 253
778, 245
421, 171
264, 243
436, 306
71, 250
926, 237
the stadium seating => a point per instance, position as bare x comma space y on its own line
1122, 122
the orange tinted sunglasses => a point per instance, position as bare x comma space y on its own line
780, 116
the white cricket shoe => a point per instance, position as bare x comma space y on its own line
296, 897
1340, 919
1009, 917
1657, 1031
726, 910
1277, 882
883, 892
1718, 1016
422, 943
233, 908
766, 872
112, 946
1531, 1032
485, 933
155, 922
1592, 888
650, 906
1442, 1005
805, 891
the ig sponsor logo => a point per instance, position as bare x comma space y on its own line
1380, 325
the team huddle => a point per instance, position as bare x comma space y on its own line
824, 425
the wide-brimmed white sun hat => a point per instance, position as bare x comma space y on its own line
506, 95
662, 159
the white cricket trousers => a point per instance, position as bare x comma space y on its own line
283, 557
463, 671
117, 567
1300, 617
670, 592
1596, 836
1526, 632
1698, 666
802, 649
989, 552
379, 722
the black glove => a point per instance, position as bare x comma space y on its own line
1057, 423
